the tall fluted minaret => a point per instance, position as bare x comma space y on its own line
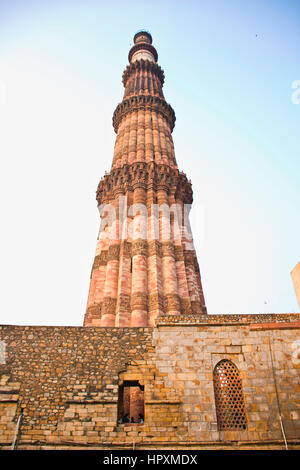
145, 263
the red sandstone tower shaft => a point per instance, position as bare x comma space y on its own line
145, 263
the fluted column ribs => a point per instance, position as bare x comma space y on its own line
143, 78
124, 158
140, 142
108, 309
148, 136
163, 140
156, 138
144, 270
156, 305
120, 143
123, 309
176, 224
139, 286
169, 277
144, 135
132, 138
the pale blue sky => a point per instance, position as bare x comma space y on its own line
229, 69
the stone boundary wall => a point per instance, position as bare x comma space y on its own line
66, 380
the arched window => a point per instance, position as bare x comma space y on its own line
230, 405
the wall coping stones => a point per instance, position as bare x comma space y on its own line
260, 321
290, 319
275, 326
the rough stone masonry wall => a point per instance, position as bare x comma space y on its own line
69, 382
67, 379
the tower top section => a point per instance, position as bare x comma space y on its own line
142, 36
142, 48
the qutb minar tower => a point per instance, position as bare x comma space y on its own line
151, 370
145, 263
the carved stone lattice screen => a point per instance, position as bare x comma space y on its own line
230, 405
